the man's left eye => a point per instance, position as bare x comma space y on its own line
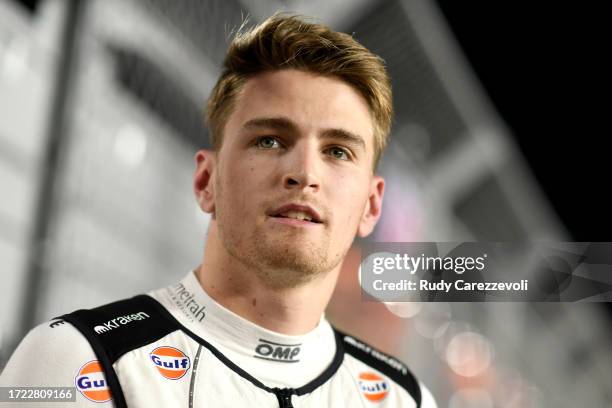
267, 142
338, 153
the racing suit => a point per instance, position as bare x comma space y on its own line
177, 347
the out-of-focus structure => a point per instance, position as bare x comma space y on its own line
100, 115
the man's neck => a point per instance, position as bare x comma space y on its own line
292, 311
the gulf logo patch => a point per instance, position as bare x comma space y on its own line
374, 387
172, 363
91, 383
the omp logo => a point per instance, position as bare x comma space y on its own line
119, 321
283, 353
373, 386
172, 363
91, 383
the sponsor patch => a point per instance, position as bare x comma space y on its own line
374, 387
119, 321
91, 383
185, 300
171, 362
284, 353
390, 361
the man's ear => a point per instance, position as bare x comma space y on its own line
203, 185
373, 208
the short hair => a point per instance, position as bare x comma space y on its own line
288, 42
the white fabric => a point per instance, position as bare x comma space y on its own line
53, 356
238, 338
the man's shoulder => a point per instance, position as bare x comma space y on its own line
106, 331
118, 327
368, 356
50, 354
54, 337
103, 334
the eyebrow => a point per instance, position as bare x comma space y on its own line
285, 124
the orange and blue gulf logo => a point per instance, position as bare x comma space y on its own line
374, 387
91, 383
172, 363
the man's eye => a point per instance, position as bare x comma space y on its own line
267, 142
338, 153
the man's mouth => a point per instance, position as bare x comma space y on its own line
296, 215
297, 212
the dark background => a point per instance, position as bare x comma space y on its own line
542, 66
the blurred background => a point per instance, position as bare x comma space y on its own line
101, 114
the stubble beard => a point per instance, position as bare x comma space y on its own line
280, 260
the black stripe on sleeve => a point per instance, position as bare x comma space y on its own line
117, 328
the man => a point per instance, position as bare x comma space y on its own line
299, 119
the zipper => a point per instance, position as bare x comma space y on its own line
284, 397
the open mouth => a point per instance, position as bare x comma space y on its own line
298, 215
298, 212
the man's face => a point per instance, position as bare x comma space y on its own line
293, 179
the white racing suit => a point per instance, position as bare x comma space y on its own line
177, 347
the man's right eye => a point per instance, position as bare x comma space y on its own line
267, 142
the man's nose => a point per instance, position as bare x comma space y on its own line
303, 168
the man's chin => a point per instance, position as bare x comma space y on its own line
290, 257
293, 257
